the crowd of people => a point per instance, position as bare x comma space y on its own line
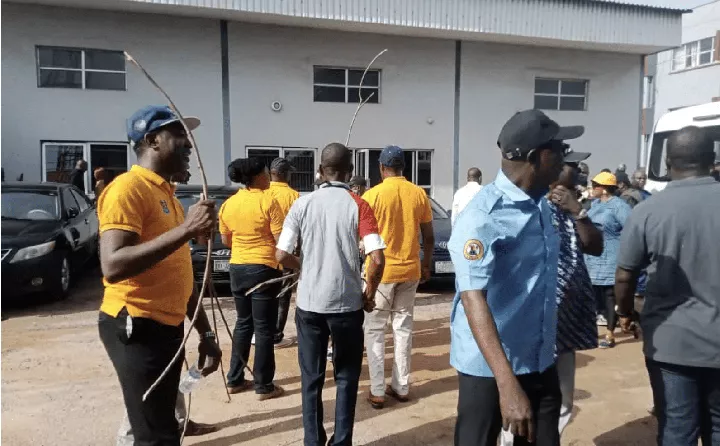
541, 258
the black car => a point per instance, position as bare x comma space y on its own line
442, 264
188, 195
49, 233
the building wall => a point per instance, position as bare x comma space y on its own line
696, 85
498, 81
182, 54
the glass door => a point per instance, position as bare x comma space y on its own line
112, 158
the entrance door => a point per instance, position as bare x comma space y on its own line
113, 158
59, 159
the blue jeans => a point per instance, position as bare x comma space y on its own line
313, 331
257, 314
687, 403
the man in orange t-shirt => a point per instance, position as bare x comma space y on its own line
403, 213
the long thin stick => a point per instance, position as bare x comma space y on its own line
187, 408
206, 275
213, 294
271, 281
362, 102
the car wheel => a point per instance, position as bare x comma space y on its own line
63, 278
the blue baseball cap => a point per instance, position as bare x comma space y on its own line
392, 156
152, 117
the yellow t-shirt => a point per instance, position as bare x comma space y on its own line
284, 195
142, 202
251, 217
400, 207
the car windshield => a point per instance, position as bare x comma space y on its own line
30, 205
188, 199
658, 152
438, 212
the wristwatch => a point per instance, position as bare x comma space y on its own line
208, 335
582, 214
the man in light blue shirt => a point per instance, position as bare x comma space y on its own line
505, 250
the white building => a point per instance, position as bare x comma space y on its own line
280, 77
688, 74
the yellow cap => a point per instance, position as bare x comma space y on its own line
605, 179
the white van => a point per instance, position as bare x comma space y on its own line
705, 115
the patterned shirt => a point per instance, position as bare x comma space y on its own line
610, 216
576, 305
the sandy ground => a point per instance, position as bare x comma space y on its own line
58, 386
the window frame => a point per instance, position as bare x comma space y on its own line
363, 169
691, 51
559, 95
347, 86
83, 69
282, 153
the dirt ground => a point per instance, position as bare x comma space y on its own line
58, 386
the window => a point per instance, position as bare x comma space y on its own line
59, 160
343, 85
79, 68
69, 201
694, 54
81, 200
301, 158
418, 167
561, 94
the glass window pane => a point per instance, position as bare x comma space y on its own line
705, 58
573, 87
328, 94
69, 201
409, 164
265, 155
60, 161
59, 58
60, 78
548, 86
546, 102
303, 179
424, 168
372, 95
104, 60
706, 44
333, 76
572, 103
372, 78
95, 80
81, 201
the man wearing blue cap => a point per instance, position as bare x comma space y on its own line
504, 247
403, 213
147, 273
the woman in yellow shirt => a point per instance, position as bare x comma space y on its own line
250, 222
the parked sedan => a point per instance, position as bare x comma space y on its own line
49, 233
188, 195
442, 264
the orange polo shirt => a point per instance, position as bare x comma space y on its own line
251, 217
400, 207
284, 195
142, 202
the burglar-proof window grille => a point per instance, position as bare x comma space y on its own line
694, 54
301, 158
84, 69
332, 84
561, 94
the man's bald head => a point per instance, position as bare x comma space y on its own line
336, 162
474, 174
691, 149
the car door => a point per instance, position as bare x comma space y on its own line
75, 228
89, 218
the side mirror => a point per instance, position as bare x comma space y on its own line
73, 212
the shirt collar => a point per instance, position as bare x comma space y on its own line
692, 182
509, 188
334, 184
151, 176
396, 178
278, 184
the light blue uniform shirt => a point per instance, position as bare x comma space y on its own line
505, 242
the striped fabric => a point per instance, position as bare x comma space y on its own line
576, 305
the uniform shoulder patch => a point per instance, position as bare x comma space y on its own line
473, 249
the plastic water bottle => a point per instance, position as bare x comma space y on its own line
191, 380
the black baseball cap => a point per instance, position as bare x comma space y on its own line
281, 166
530, 129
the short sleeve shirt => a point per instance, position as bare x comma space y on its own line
505, 243
142, 202
610, 216
400, 207
674, 234
251, 217
284, 195
330, 222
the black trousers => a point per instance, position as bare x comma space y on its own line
479, 420
140, 350
313, 330
256, 313
605, 300
283, 310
